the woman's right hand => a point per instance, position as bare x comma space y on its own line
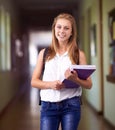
56, 85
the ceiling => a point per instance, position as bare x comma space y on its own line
41, 12
46, 4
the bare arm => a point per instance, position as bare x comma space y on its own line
37, 82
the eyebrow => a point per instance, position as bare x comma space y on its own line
64, 25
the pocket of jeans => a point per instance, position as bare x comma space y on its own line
74, 104
45, 106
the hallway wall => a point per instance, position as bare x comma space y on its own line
10, 78
109, 87
90, 15
9, 83
101, 96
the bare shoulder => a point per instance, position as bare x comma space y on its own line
41, 52
82, 54
40, 55
39, 63
82, 57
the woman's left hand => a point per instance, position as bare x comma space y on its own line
72, 75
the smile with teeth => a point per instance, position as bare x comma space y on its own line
61, 36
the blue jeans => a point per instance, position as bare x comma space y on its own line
67, 112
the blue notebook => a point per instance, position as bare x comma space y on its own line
84, 71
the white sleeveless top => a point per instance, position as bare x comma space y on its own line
54, 70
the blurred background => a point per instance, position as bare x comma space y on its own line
25, 28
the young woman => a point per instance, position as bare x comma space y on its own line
60, 105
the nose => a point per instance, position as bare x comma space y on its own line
62, 30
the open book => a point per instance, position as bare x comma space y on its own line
83, 71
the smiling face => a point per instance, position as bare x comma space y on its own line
63, 30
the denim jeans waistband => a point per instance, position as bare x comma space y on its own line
65, 100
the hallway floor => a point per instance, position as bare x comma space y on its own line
23, 114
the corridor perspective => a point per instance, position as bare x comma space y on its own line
25, 29
24, 113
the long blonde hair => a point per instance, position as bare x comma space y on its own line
73, 46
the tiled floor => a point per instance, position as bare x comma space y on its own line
23, 114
